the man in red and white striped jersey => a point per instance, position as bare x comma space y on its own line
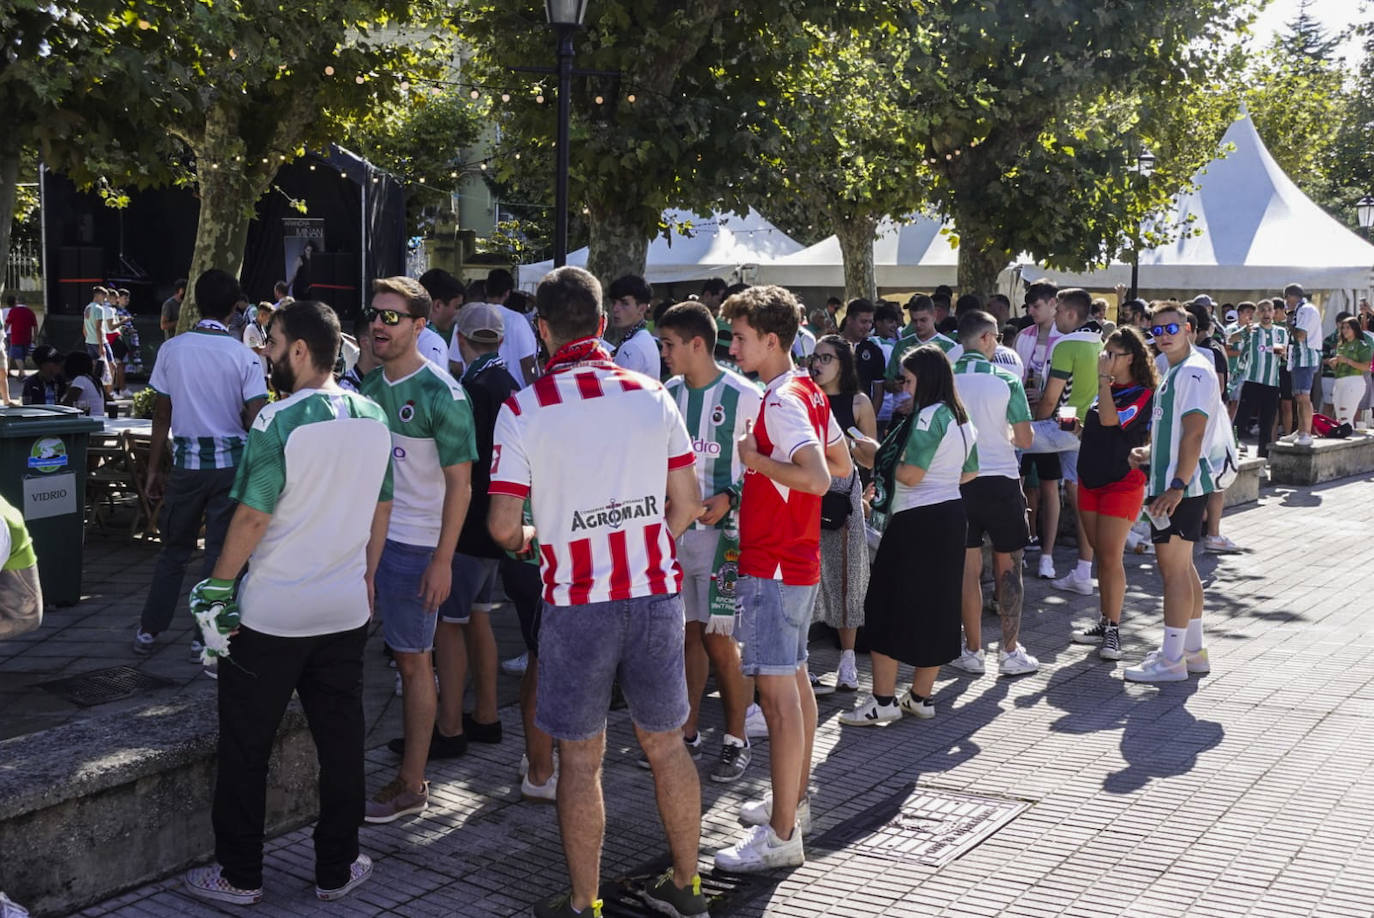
791, 453
596, 448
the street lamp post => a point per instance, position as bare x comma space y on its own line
1364, 212
1144, 167
566, 17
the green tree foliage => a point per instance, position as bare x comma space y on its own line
1351, 175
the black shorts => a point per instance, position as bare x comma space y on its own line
1186, 521
525, 589
1046, 466
120, 348
995, 505
1285, 384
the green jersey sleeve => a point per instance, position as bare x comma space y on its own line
262, 474
455, 433
971, 463
894, 363
1018, 407
927, 433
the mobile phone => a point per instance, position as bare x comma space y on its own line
854, 433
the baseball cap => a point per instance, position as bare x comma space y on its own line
1232, 315
481, 322
1203, 299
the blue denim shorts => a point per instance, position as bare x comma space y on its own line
772, 625
1302, 380
474, 580
583, 649
406, 626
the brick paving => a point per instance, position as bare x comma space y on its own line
1247, 792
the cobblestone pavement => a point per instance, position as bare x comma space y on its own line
1247, 792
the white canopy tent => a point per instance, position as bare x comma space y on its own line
907, 256
719, 245
1258, 232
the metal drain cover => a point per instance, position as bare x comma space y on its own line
104, 685
921, 826
724, 892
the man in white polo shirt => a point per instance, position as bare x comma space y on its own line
633, 346
209, 389
611, 578
303, 607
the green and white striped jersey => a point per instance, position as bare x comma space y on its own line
909, 343
1308, 352
1190, 387
1258, 361
995, 400
716, 416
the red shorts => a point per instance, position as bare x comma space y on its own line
1122, 499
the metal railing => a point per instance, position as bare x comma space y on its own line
23, 268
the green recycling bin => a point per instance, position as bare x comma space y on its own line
43, 473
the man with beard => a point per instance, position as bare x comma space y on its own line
303, 607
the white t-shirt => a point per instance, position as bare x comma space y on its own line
89, 394
254, 336
94, 322
639, 352
517, 343
306, 575
433, 347
599, 518
209, 376
995, 401
945, 449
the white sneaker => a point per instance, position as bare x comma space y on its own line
759, 811
1197, 662
1046, 567
540, 793
1304, 440
755, 727
762, 850
971, 661
516, 666
818, 687
916, 708
1155, 668
144, 643
1017, 663
1220, 545
847, 679
871, 714
1075, 583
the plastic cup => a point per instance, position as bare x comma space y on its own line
1068, 417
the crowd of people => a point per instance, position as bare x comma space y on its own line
770, 469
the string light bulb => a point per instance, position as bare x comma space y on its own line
360, 79
405, 86
539, 99
329, 70
630, 98
600, 100
505, 97
474, 94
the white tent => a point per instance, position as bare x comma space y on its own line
716, 246
1257, 232
907, 256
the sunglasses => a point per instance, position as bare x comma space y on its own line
1171, 328
388, 316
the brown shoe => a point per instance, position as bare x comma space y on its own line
393, 801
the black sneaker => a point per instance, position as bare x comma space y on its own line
478, 732
561, 907
663, 896
1091, 635
440, 746
693, 749
1111, 643
731, 764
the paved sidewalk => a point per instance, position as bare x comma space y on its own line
1245, 792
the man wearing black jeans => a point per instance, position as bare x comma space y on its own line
306, 518
209, 389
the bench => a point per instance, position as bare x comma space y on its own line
1324, 460
94, 807
1246, 488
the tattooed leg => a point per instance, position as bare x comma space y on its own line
1009, 596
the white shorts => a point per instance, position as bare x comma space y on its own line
696, 552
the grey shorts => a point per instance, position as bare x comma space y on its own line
406, 626
774, 619
584, 649
474, 580
696, 553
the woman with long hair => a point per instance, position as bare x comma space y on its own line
915, 590
1351, 365
844, 548
1110, 492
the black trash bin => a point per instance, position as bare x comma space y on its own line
43, 473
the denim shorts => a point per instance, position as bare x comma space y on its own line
772, 626
406, 626
1302, 380
474, 579
696, 554
583, 649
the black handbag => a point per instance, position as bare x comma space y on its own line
835, 507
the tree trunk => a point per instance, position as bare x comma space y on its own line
9, 193
229, 191
856, 251
980, 264
617, 246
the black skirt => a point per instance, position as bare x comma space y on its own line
912, 609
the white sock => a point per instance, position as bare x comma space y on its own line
1084, 571
1172, 648
1193, 642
